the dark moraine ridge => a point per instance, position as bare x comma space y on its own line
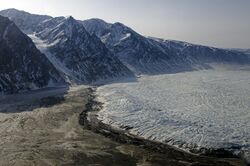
88, 119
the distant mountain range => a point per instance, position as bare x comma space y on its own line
245, 51
152, 56
92, 51
25, 21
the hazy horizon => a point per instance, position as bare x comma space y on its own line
223, 23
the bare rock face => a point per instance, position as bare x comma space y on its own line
22, 65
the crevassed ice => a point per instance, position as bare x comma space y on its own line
194, 109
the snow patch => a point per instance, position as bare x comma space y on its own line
43, 47
126, 36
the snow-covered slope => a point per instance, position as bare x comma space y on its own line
82, 57
151, 55
25, 21
22, 66
96, 26
199, 53
192, 110
134, 50
107, 51
246, 51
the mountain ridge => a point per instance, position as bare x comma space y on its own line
91, 50
137, 51
26, 21
83, 58
22, 65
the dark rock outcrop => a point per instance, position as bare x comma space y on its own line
22, 65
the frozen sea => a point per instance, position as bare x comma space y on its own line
191, 110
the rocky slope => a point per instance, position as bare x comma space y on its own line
152, 55
22, 65
81, 57
92, 50
25, 21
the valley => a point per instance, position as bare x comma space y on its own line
90, 92
42, 128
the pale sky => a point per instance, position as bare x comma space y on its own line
220, 23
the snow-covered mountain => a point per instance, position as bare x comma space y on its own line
93, 50
134, 50
245, 51
81, 57
151, 55
25, 21
96, 26
22, 65
199, 53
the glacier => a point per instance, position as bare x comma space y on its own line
191, 110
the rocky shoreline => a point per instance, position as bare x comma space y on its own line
88, 118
